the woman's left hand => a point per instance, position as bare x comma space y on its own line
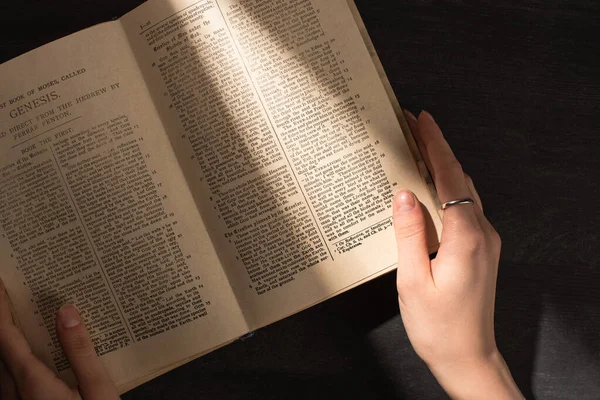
24, 376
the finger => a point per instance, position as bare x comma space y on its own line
94, 381
414, 128
473, 191
462, 227
449, 176
27, 371
414, 268
8, 390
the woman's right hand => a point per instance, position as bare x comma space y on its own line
447, 304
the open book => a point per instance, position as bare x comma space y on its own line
197, 170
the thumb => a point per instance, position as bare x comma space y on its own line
94, 381
414, 268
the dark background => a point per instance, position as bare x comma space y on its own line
516, 90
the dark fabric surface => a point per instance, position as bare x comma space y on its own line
516, 89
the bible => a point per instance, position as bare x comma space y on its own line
194, 171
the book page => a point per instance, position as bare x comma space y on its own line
421, 165
287, 138
95, 211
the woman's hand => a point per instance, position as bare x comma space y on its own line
23, 376
447, 304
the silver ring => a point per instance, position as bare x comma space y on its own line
457, 202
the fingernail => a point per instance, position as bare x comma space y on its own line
410, 116
427, 115
69, 316
405, 200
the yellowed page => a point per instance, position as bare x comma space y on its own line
95, 211
398, 110
287, 138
